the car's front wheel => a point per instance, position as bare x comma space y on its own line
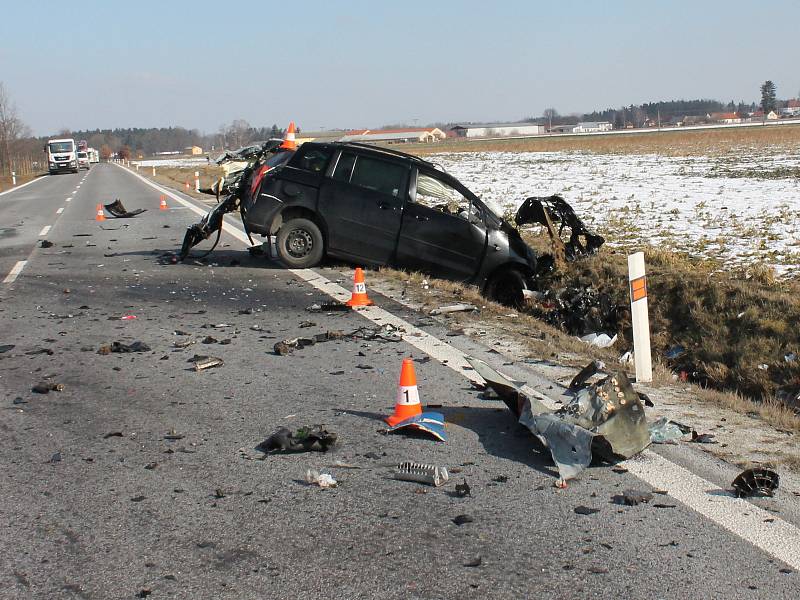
508, 287
300, 244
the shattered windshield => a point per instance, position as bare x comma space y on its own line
60, 147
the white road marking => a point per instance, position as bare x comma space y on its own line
778, 538
60, 210
19, 187
15, 271
44, 230
69, 199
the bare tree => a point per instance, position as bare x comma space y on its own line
12, 129
550, 114
237, 134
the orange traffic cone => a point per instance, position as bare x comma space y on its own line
407, 404
162, 205
289, 139
100, 216
359, 296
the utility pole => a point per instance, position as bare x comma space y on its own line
659, 119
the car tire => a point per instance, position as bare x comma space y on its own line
300, 244
508, 287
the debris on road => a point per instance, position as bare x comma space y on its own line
585, 374
305, 439
666, 431
46, 387
421, 473
208, 362
605, 419
585, 510
323, 480
329, 307
122, 348
173, 435
429, 422
703, 438
461, 519
46, 244
602, 340
474, 562
443, 310
463, 490
116, 209
756, 482
632, 497
6, 347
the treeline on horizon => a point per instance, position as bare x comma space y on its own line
146, 141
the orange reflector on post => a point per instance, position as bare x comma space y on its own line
638, 288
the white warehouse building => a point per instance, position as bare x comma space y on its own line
496, 130
592, 127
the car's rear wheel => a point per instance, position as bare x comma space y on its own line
508, 287
300, 244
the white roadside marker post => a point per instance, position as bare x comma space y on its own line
154, 171
13, 178
639, 317
196, 181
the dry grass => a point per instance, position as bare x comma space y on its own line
5, 181
770, 411
670, 143
178, 177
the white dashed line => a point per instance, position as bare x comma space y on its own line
60, 210
779, 539
69, 199
44, 230
15, 271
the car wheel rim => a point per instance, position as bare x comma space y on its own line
299, 243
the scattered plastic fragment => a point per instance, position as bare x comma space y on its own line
173, 435
429, 422
421, 473
128, 318
462, 519
585, 373
46, 244
208, 362
632, 497
601, 340
443, 310
46, 387
703, 438
305, 439
116, 209
6, 347
323, 480
585, 510
474, 562
329, 307
120, 347
756, 482
665, 431
463, 490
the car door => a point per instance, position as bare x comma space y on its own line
362, 202
443, 232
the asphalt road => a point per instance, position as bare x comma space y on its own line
86, 514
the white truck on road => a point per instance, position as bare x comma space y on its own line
62, 155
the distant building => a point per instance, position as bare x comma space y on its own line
193, 150
562, 128
496, 130
728, 118
792, 108
395, 136
592, 127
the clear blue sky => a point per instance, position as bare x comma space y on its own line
343, 63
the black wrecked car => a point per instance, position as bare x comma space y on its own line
375, 206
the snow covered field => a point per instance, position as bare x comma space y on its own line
728, 208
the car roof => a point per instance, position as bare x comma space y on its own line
376, 150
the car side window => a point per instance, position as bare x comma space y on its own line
436, 194
344, 168
312, 159
381, 176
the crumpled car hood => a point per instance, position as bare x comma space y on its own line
605, 419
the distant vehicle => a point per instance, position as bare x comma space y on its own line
62, 155
94, 155
83, 146
83, 160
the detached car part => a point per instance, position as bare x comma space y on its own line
605, 420
756, 482
116, 209
554, 209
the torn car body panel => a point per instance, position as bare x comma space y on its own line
554, 209
604, 420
